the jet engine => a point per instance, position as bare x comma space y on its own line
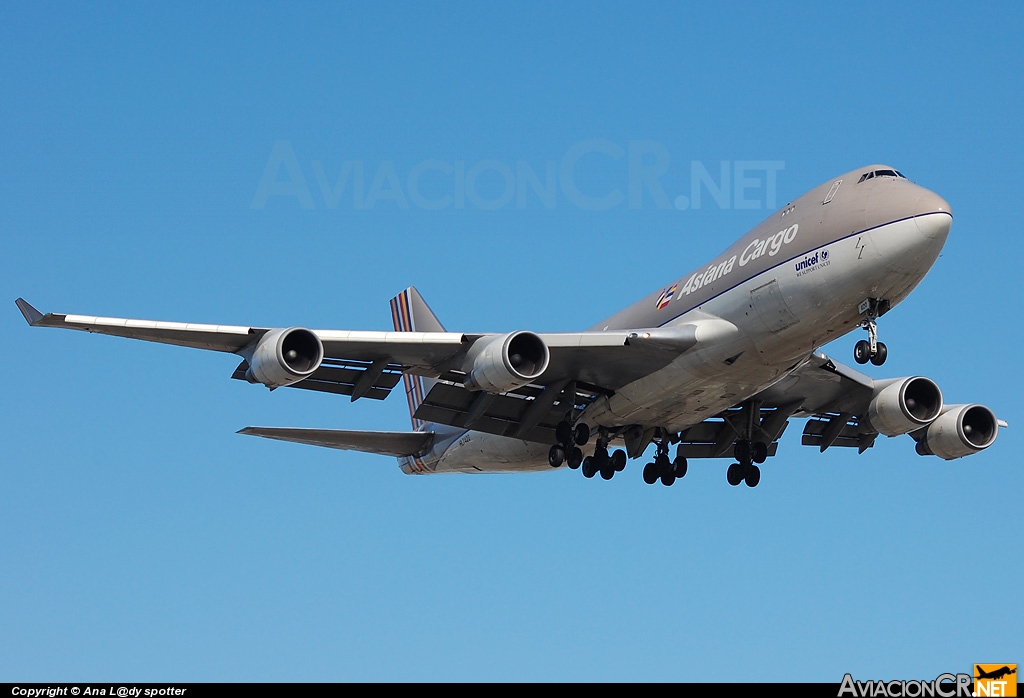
286, 356
960, 431
507, 362
903, 405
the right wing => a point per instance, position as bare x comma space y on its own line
354, 363
583, 365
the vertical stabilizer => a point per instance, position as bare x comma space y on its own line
410, 313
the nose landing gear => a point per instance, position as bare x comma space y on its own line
871, 349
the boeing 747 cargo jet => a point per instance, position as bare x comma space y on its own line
715, 363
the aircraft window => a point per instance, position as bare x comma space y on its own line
880, 173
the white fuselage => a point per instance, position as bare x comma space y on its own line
781, 315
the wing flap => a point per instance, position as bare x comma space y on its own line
837, 431
385, 443
697, 450
504, 415
341, 378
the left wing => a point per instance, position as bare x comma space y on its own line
844, 408
835, 397
847, 408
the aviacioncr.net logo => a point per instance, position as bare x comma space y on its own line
995, 680
943, 686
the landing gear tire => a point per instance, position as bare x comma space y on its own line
581, 435
759, 452
650, 473
619, 460
666, 470
556, 456
575, 458
753, 476
862, 351
589, 467
735, 474
603, 463
881, 352
679, 466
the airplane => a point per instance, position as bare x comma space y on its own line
996, 674
715, 363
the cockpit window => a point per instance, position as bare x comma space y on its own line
880, 173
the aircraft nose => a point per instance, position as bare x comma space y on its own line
933, 215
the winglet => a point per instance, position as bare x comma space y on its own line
32, 316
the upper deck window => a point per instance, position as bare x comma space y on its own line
880, 173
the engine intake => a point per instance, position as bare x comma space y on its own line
283, 357
507, 362
961, 430
904, 404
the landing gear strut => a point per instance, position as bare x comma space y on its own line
746, 451
870, 349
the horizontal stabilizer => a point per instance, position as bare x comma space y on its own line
385, 443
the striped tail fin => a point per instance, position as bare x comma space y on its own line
410, 313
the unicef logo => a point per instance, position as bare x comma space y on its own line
824, 255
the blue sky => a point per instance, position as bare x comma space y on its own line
141, 539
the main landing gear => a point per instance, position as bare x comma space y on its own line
663, 469
747, 453
750, 450
568, 446
570, 439
870, 349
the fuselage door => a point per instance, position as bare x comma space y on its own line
771, 307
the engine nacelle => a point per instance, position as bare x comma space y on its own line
904, 404
507, 362
960, 431
283, 357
